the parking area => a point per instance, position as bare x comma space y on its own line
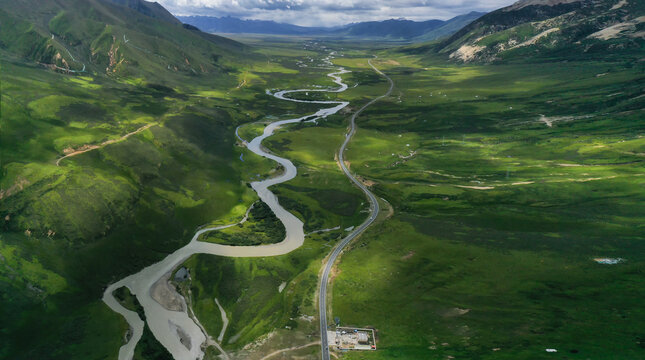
349, 338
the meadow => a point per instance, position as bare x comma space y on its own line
507, 181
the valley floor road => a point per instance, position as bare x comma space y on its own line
374, 209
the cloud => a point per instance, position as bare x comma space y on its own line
331, 12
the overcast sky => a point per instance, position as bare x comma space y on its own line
331, 12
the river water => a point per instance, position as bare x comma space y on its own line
170, 326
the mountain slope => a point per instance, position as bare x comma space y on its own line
148, 8
393, 28
552, 29
450, 26
100, 36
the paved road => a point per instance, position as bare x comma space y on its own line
374, 209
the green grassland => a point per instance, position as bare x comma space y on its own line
262, 227
248, 290
498, 216
69, 230
321, 196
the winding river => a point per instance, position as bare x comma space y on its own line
176, 330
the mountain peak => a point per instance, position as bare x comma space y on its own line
552, 28
148, 8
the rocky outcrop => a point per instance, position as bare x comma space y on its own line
551, 28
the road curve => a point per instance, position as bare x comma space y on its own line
374, 209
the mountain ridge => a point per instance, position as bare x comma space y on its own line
544, 29
113, 37
391, 28
149, 8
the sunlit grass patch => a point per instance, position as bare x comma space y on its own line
29, 272
250, 131
212, 93
46, 107
181, 199
85, 82
293, 144
272, 67
359, 63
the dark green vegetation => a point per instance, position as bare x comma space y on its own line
506, 181
248, 289
149, 347
262, 227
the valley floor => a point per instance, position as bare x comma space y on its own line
499, 187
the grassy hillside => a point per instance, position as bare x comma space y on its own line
69, 230
450, 26
101, 37
550, 30
148, 8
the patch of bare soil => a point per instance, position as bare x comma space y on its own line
455, 312
536, 38
408, 256
466, 52
617, 30
282, 351
476, 187
18, 186
366, 182
389, 62
166, 295
619, 4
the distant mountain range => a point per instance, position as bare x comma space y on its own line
234, 25
393, 28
